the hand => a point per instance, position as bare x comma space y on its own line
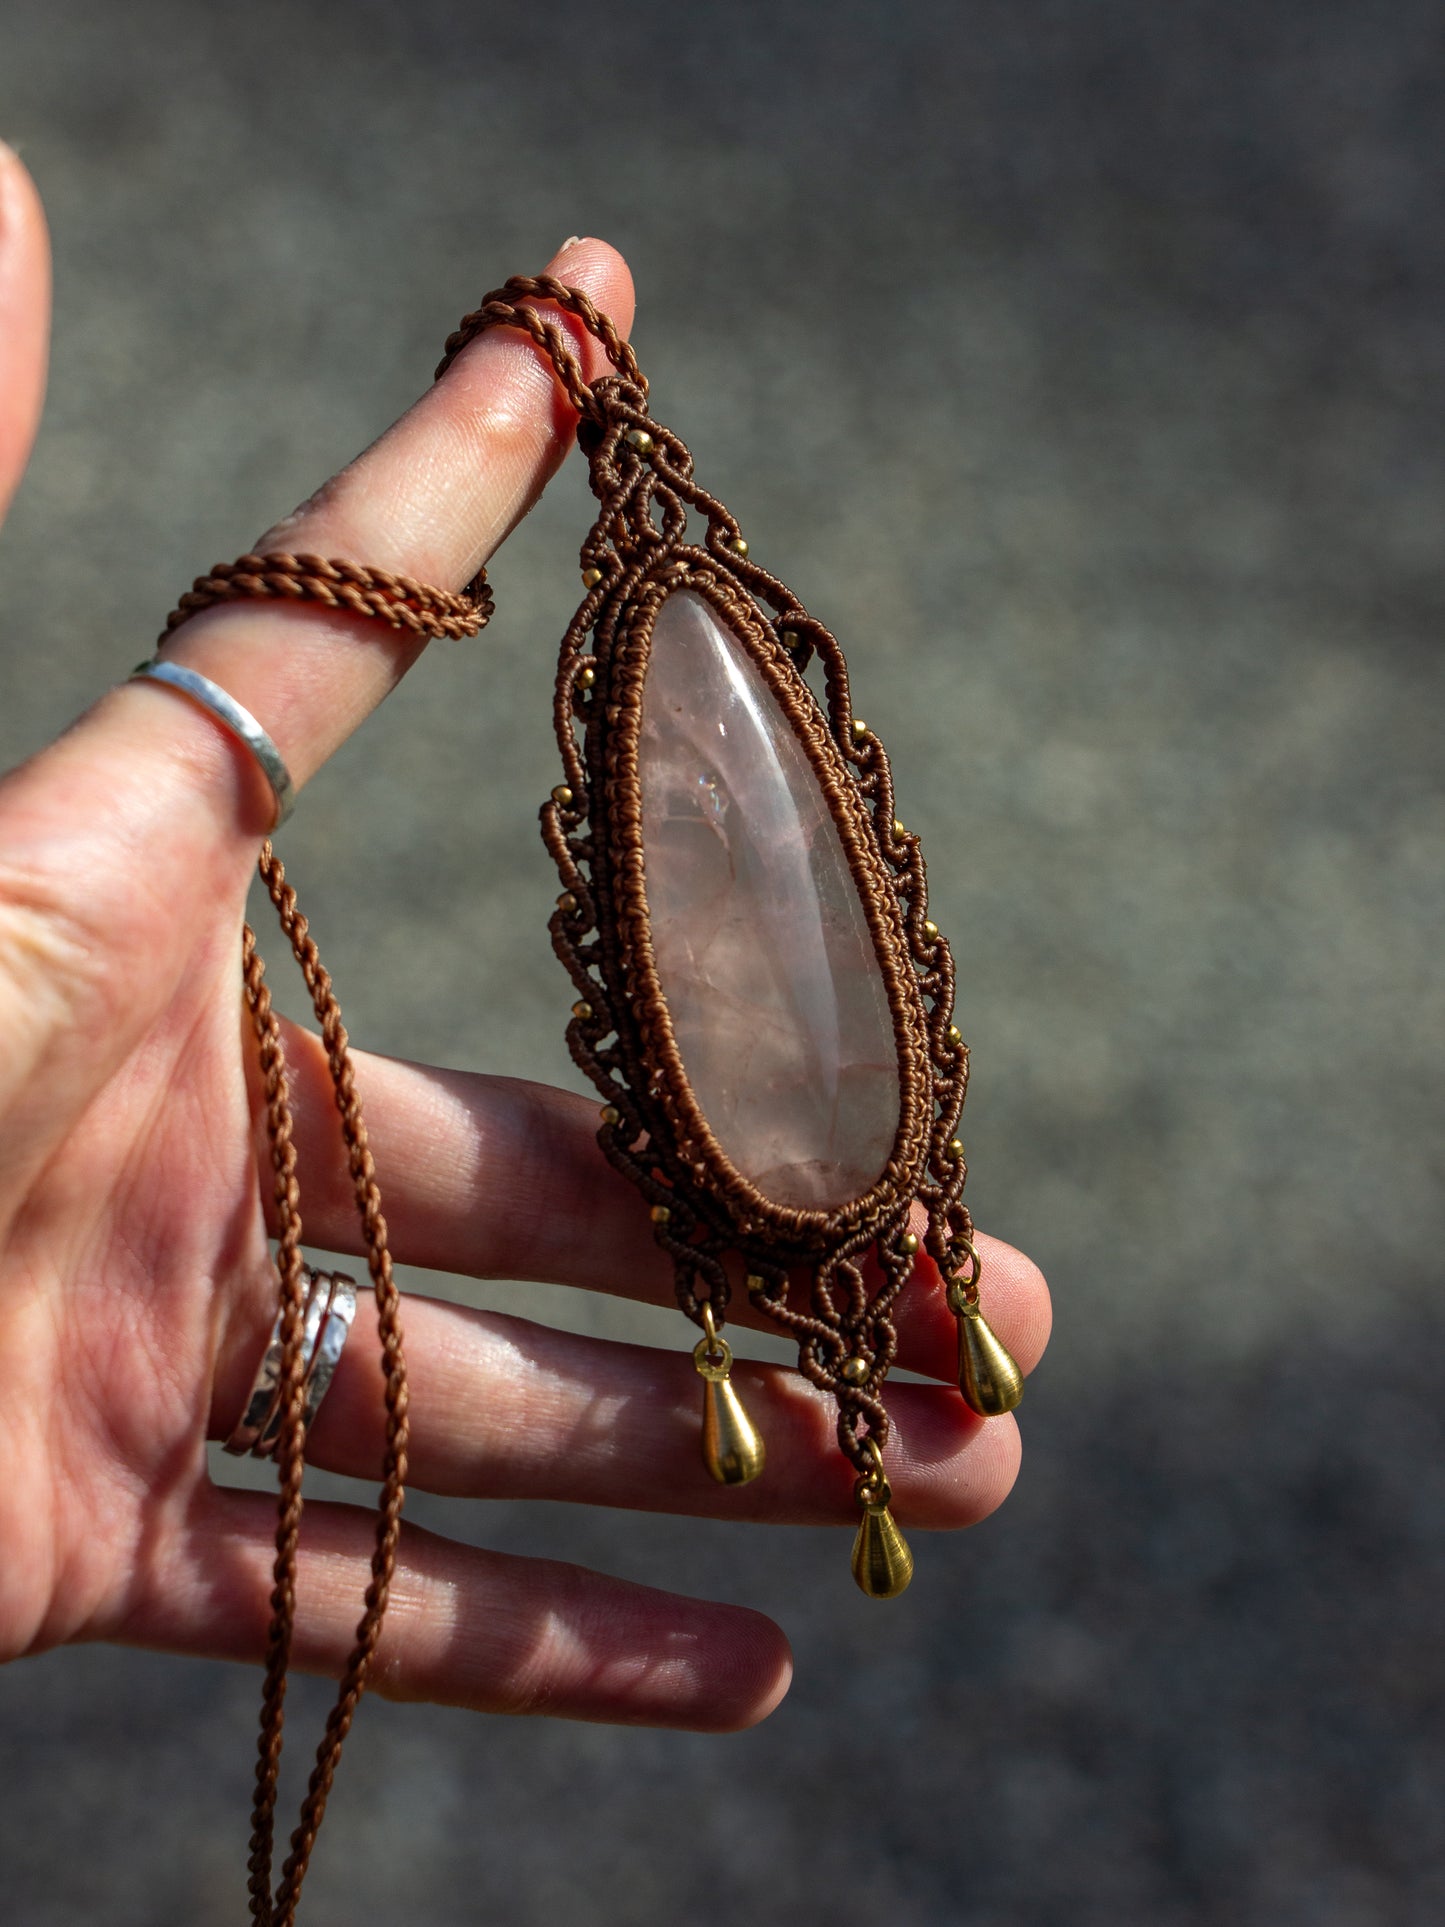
136, 1287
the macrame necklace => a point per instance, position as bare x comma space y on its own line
763, 1003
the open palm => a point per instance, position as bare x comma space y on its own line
136, 1285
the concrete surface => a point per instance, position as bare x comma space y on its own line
1084, 366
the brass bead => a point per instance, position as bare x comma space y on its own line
930, 929
567, 902
860, 729
639, 439
955, 1035
789, 638
660, 1214
909, 1242
586, 677
610, 1114
856, 1370
738, 545
755, 1283
955, 1147
591, 577
898, 829
582, 1008
562, 796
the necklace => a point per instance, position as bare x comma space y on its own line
763, 1003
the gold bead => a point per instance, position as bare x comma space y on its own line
639, 439
660, 1214
789, 638
860, 729
582, 1008
610, 1114
591, 577
955, 1035
755, 1283
909, 1242
856, 1370
955, 1147
738, 545
898, 829
567, 901
930, 929
586, 677
562, 796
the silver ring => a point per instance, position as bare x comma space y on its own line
231, 716
330, 1309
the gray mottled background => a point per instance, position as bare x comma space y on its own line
1083, 365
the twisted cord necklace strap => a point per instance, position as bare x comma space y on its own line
395, 599
501, 309
280, 1910
404, 603
400, 600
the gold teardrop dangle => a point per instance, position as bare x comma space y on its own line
732, 1446
882, 1562
988, 1376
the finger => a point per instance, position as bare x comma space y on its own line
498, 1178
502, 1408
24, 319
431, 499
146, 815
464, 1627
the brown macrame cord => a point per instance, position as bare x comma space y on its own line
423, 611
291, 1444
653, 1129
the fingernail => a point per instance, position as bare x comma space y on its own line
572, 241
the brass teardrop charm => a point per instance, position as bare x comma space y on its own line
732, 1447
989, 1379
882, 1562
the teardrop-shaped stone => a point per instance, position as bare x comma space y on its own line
761, 942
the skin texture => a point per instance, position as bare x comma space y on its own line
135, 1282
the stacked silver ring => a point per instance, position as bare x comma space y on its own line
330, 1308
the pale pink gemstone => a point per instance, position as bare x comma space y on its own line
763, 950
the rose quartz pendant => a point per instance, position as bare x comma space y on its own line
763, 1003
759, 935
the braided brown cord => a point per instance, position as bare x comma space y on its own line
404, 603
503, 309
290, 1449
388, 1305
396, 599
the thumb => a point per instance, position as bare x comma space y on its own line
24, 319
